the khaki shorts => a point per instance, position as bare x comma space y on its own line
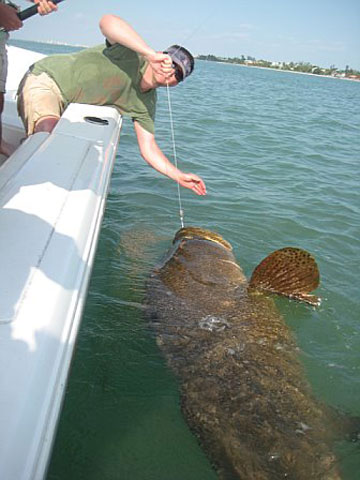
38, 97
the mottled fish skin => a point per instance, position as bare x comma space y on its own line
243, 389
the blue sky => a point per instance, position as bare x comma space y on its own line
323, 32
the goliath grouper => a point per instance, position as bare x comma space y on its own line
243, 389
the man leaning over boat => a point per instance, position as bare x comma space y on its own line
124, 72
9, 21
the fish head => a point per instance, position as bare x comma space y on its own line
198, 233
201, 265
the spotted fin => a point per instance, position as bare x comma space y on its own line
291, 272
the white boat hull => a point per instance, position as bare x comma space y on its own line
52, 198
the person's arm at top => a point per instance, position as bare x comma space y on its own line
45, 6
8, 18
117, 30
152, 154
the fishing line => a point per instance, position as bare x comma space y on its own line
203, 21
181, 211
196, 29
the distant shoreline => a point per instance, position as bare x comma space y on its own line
48, 42
279, 70
51, 42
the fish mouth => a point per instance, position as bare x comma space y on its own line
198, 233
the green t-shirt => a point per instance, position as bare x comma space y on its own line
103, 75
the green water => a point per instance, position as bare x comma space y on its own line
280, 155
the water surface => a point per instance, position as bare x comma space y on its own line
280, 155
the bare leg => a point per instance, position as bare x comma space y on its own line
1, 111
46, 124
5, 148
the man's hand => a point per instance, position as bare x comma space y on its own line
193, 182
161, 63
151, 152
8, 18
45, 6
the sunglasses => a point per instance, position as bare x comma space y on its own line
178, 72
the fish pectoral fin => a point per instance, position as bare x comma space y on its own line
310, 299
290, 271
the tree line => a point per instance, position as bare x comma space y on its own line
303, 67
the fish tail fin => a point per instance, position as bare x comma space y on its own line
290, 271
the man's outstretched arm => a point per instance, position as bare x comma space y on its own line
152, 154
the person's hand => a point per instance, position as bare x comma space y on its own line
45, 6
193, 182
8, 18
161, 64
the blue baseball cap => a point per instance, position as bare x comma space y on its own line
181, 58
